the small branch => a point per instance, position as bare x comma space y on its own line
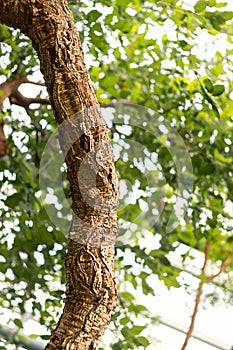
41, 101
10, 90
34, 83
191, 327
225, 263
206, 254
20, 100
198, 297
9, 86
149, 114
223, 267
114, 102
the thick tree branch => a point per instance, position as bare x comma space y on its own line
91, 292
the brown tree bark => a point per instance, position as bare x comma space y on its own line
90, 293
3, 140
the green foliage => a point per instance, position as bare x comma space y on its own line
135, 57
200, 6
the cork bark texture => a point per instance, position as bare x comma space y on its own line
90, 290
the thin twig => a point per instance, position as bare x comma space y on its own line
225, 263
34, 83
198, 297
223, 267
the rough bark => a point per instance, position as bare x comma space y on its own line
90, 293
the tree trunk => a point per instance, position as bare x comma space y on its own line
90, 292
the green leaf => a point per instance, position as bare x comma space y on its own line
125, 332
211, 3
93, 15
123, 3
45, 337
110, 81
218, 90
187, 235
124, 320
135, 330
59, 236
200, 6
143, 341
137, 309
211, 101
227, 15
18, 323
34, 336
208, 85
27, 232
128, 296
206, 169
221, 4
13, 200
216, 20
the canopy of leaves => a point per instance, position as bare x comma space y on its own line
151, 53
